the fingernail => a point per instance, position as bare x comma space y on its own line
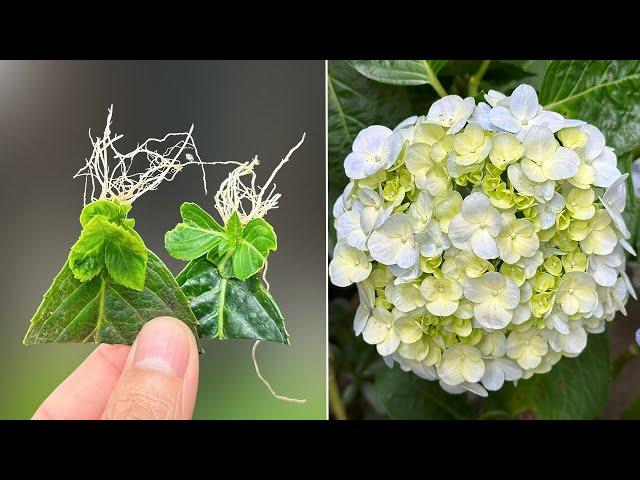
162, 344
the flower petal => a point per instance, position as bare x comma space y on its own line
359, 165
371, 139
552, 120
491, 315
539, 143
483, 244
523, 102
563, 164
460, 232
502, 118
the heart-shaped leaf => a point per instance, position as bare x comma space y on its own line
231, 308
101, 311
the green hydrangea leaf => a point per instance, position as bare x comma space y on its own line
86, 259
195, 236
574, 389
233, 228
231, 308
101, 311
406, 396
399, 72
104, 243
248, 250
108, 209
604, 93
223, 260
251, 251
126, 257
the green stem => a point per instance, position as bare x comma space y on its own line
433, 80
474, 81
624, 358
335, 400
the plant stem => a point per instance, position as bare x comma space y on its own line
624, 358
335, 401
474, 81
433, 80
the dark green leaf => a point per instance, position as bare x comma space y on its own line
632, 411
575, 388
535, 68
459, 67
601, 92
400, 72
231, 308
354, 103
370, 394
100, 311
421, 99
406, 396
479, 97
196, 235
503, 73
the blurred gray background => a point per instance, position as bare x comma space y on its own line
239, 109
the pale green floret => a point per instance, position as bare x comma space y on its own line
441, 294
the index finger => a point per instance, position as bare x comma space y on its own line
84, 393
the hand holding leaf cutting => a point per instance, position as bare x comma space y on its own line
111, 284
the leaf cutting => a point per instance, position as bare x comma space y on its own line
222, 280
111, 283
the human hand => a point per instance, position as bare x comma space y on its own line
154, 379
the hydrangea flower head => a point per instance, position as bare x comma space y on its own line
487, 241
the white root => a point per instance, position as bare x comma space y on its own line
229, 198
273, 392
109, 175
255, 362
248, 200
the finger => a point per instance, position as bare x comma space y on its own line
160, 377
84, 393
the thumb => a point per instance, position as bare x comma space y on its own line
160, 377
